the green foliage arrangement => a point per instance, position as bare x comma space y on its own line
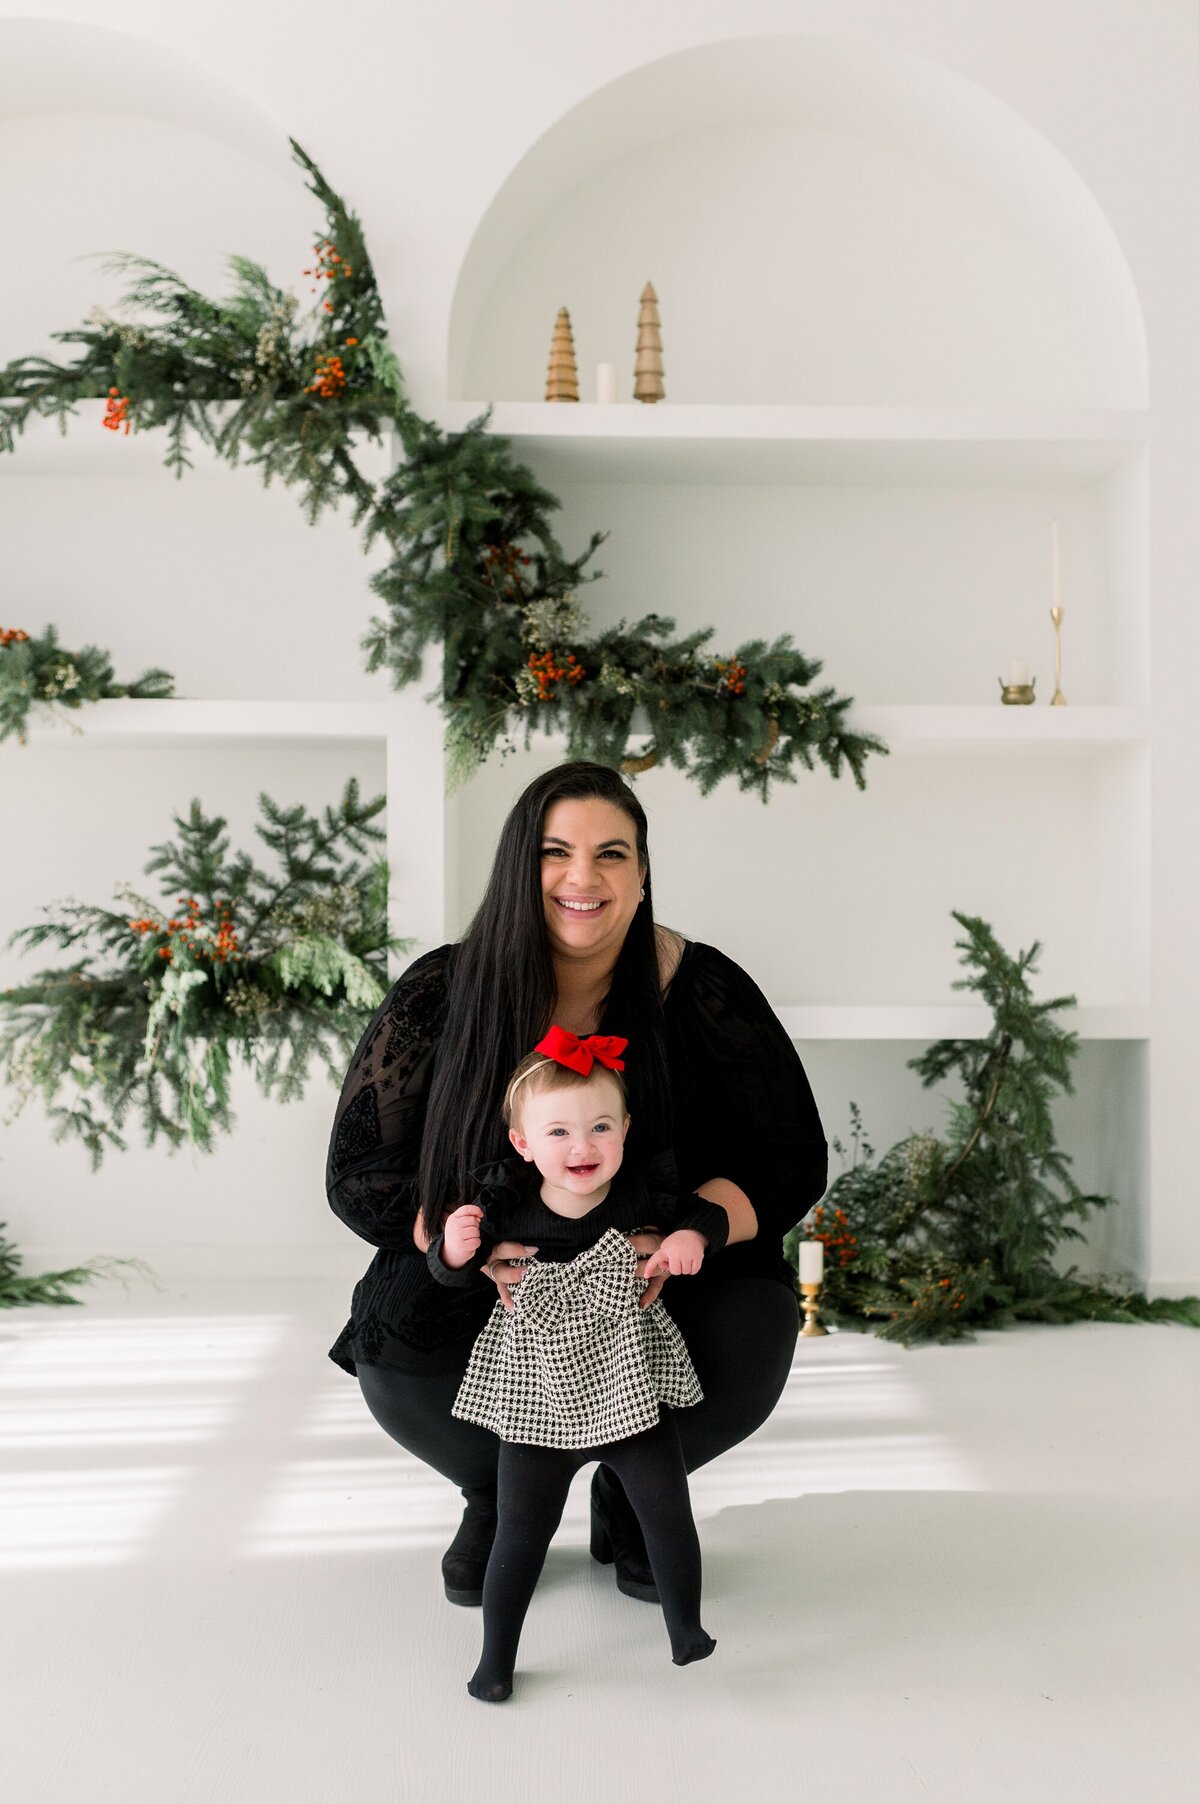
34, 669
275, 969
942, 1236
21, 1289
473, 564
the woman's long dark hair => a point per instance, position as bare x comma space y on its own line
503, 990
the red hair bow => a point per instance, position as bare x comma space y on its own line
566, 1048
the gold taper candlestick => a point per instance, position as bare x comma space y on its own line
1058, 699
811, 1310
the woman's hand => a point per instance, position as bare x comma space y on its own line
645, 1244
502, 1270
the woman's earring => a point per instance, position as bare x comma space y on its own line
641, 895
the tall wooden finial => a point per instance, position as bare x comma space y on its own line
648, 369
562, 378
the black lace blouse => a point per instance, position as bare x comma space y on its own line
743, 1110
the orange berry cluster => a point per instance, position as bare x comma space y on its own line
731, 676
115, 410
329, 265
222, 947
330, 377
548, 673
13, 635
838, 1242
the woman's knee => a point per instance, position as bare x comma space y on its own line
742, 1338
414, 1410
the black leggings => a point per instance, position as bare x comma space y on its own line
741, 1335
532, 1490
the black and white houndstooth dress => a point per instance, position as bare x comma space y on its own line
577, 1362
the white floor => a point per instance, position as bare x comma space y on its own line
960, 1574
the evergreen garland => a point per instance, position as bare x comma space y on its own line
473, 564
273, 968
939, 1237
35, 669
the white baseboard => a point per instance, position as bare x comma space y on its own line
209, 1262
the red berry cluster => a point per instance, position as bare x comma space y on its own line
503, 565
838, 1241
223, 945
13, 635
549, 674
731, 676
115, 410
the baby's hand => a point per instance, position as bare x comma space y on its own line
462, 1236
680, 1254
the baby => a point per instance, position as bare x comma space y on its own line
572, 1368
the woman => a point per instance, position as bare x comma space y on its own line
566, 934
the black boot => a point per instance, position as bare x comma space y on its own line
465, 1560
617, 1537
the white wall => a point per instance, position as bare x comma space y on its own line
228, 587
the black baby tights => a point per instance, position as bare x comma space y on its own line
532, 1489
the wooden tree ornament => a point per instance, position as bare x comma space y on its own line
648, 369
562, 378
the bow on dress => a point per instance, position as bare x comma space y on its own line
566, 1048
599, 1281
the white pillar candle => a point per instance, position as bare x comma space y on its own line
1054, 563
606, 383
812, 1261
1018, 675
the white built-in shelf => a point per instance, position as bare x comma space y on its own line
87, 449
677, 442
126, 720
1038, 728
904, 729
936, 727
947, 1021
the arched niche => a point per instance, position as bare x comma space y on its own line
824, 221
111, 142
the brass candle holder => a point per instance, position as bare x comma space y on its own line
811, 1309
1017, 695
1058, 699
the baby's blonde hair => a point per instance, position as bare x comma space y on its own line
537, 1073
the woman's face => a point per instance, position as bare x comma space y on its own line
591, 879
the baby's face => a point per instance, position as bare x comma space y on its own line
575, 1137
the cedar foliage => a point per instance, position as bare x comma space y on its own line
473, 565
942, 1235
20, 1289
276, 968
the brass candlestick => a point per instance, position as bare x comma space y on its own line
1058, 699
811, 1310
1017, 695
